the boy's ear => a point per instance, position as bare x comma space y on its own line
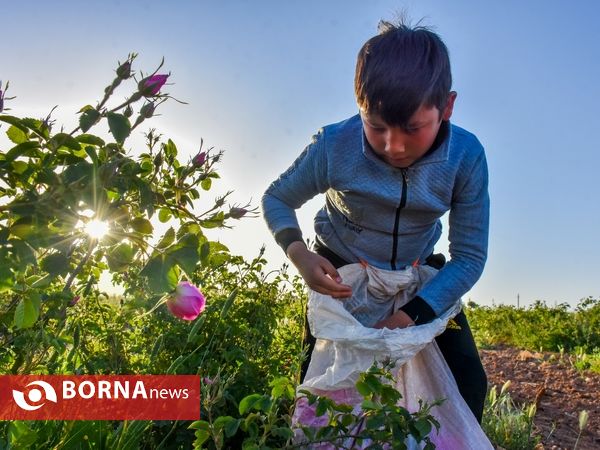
447, 113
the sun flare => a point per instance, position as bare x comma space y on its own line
96, 228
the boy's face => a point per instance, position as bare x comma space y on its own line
400, 147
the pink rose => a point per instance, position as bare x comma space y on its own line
187, 302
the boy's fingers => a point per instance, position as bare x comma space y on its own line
331, 271
333, 288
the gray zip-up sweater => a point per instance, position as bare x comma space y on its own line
387, 216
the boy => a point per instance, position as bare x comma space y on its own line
389, 174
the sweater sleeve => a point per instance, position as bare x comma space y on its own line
468, 236
303, 180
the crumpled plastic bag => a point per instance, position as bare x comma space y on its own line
347, 345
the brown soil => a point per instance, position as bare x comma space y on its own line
560, 392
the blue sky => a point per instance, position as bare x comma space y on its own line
261, 77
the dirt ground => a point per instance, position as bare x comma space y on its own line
560, 392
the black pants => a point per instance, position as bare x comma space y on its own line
456, 344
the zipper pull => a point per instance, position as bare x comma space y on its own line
404, 171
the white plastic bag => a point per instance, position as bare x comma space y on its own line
347, 346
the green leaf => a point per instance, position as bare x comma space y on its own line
347, 420
228, 424
164, 215
170, 149
91, 152
363, 388
157, 346
6, 278
42, 282
21, 436
214, 221
27, 148
88, 119
146, 199
32, 124
197, 325
19, 167
64, 140
283, 432
27, 311
14, 121
55, 264
119, 126
202, 433
206, 184
22, 228
389, 395
162, 274
423, 426
322, 407
141, 225
282, 387
199, 425
373, 382
369, 404
217, 247
23, 252
228, 303
248, 403
343, 407
375, 422
120, 257
90, 139
185, 253
167, 239
16, 135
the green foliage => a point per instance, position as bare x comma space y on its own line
264, 421
507, 425
539, 327
247, 335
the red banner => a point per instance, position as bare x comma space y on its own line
99, 397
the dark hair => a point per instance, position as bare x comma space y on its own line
399, 70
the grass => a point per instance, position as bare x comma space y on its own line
507, 425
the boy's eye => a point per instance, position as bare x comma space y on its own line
377, 129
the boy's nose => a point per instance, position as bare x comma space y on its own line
394, 143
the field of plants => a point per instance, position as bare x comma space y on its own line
73, 205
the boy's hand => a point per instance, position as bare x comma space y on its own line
318, 272
397, 320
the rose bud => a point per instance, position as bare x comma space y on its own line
124, 70
150, 86
147, 110
199, 159
237, 213
187, 302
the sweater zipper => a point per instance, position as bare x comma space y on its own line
397, 220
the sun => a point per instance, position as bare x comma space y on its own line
96, 228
